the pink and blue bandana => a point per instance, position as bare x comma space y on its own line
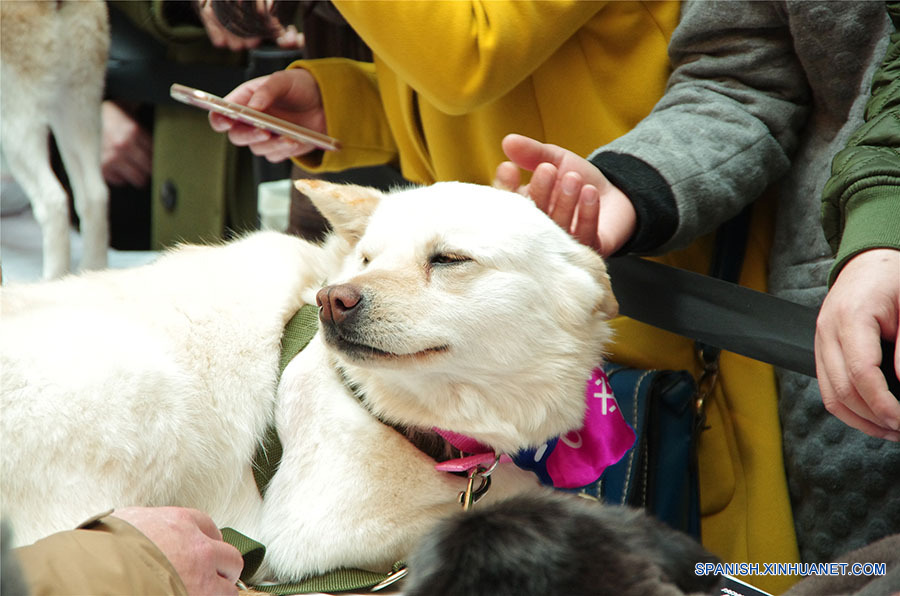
573, 460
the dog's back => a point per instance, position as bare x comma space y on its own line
148, 386
53, 57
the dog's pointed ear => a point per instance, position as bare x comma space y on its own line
347, 207
591, 261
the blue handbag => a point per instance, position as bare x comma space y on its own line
665, 407
659, 473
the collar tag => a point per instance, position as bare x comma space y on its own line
464, 464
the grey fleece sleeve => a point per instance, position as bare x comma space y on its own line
723, 131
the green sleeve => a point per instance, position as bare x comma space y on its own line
861, 200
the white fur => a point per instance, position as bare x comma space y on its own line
153, 386
52, 68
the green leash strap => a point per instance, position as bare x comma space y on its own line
251, 551
340, 580
297, 334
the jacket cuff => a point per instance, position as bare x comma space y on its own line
106, 555
870, 225
651, 195
347, 87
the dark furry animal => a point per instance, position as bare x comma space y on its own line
556, 544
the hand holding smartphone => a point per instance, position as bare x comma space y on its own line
213, 103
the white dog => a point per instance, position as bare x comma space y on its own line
454, 306
52, 69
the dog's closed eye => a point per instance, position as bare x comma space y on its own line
447, 258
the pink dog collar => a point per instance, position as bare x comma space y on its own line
575, 459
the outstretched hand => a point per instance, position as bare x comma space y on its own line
291, 95
571, 190
862, 307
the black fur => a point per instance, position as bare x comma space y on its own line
557, 544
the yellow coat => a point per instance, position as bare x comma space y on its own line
450, 79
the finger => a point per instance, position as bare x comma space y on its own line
850, 418
617, 220
862, 344
237, 44
278, 149
540, 189
216, 36
837, 390
276, 85
285, 149
528, 153
223, 586
243, 135
140, 163
823, 371
205, 523
839, 396
113, 178
220, 123
133, 174
290, 38
588, 213
143, 150
229, 562
897, 360
566, 193
507, 177
245, 91
896, 339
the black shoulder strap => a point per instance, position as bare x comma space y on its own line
723, 314
712, 309
716, 312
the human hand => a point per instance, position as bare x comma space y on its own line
221, 37
126, 150
862, 307
192, 543
292, 95
571, 190
218, 35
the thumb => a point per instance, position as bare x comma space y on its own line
528, 153
271, 89
617, 221
262, 98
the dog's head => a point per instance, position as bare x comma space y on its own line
463, 307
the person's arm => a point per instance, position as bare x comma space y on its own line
724, 130
314, 93
459, 55
861, 219
136, 550
861, 200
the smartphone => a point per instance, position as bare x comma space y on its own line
213, 103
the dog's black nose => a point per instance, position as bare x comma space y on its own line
337, 302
